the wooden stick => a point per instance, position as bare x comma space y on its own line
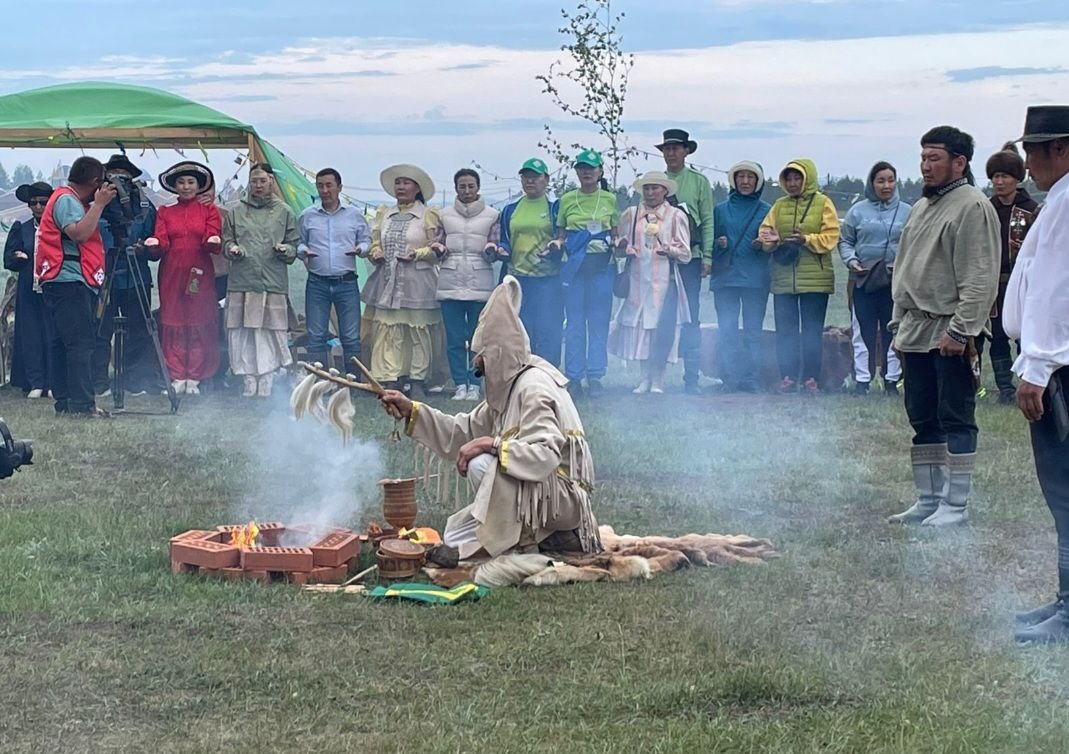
360, 575
367, 374
374, 389
335, 588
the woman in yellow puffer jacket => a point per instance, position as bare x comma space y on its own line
800, 231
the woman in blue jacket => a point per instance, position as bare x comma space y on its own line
868, 244
740, 277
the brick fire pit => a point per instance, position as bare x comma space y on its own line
308, 556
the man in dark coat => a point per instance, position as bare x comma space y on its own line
31, 363
139, 359
1005, 170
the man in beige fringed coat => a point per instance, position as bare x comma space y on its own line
523, 449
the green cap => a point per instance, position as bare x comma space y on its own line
535, 165
588, 157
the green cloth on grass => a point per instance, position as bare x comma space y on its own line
430, 593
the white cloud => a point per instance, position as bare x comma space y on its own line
846, 103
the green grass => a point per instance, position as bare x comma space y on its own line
861, 638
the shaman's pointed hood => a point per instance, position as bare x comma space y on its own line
502, 341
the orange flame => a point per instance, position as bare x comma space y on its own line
244, 537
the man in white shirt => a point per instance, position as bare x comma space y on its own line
1037, 314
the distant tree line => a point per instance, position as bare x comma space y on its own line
23, 174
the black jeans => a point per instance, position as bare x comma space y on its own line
71, 308
1000, 352
690, 334
940, 400
1052, 468
873, 311
740, 358
800, 333
140, 367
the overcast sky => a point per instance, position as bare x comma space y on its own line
362, 85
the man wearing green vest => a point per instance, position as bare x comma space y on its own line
695, 197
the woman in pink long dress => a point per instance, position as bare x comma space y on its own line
655, 240
187, 235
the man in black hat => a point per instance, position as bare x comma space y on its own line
1036, 313
31, 362
130, 215
695, 197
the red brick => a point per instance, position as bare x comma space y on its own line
229, 574
277, 559
205, 554
192, 534
182, 568
335, 549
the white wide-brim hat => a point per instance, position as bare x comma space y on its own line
412, 173
656, 178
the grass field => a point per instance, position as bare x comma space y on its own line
861, 638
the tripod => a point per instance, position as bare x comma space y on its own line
143, 301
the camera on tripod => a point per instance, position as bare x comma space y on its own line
124, 209
13, 453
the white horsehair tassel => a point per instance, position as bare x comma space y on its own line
300, 395
340, 412
316, 407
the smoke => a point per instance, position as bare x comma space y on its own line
305, 476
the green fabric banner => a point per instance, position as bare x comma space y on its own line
100, 115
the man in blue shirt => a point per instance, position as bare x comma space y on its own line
331, 238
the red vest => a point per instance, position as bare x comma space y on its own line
48, 258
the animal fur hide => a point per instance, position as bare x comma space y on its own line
625, 558
699, 549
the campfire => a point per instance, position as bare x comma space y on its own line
267, 552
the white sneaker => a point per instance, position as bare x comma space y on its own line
250, 387
461, 393
474, 394
35, 393
263, 386
105, 394
644, 387
179, 386
192, 387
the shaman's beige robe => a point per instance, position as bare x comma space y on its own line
544, 473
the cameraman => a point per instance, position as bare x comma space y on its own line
128, 220
69, 267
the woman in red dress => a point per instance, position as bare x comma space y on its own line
186, 237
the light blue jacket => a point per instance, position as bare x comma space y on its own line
872, 229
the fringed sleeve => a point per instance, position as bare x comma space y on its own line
444, 434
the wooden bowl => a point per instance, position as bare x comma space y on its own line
399, 558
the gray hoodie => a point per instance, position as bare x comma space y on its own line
872, 229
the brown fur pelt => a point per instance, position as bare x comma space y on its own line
562, 570
660, 560
699, 549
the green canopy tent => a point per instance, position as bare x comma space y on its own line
96, 115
